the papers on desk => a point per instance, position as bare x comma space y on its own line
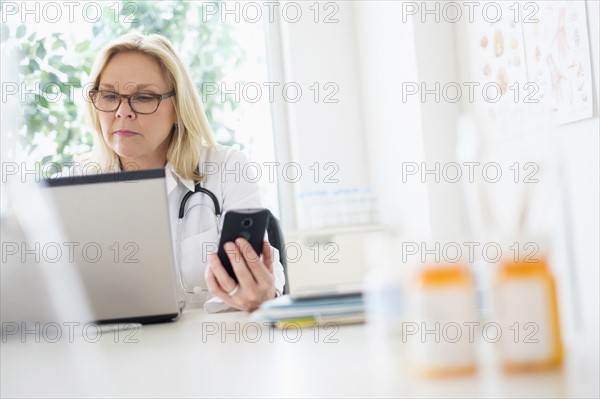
284, 311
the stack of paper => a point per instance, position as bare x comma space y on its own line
284, 311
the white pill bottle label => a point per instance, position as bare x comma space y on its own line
524, 312
440, 333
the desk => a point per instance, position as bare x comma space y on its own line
230, 355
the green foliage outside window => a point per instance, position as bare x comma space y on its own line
58, 67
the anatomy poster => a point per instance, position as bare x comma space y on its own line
558, 59
499, 65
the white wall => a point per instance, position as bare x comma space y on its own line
320, 131
392, 127
580, 157
436, 62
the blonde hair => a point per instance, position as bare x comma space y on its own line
192, 130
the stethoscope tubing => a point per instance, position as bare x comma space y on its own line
184, 200
199, 189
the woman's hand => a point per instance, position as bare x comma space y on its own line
256, 282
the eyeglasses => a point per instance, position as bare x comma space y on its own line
140, 103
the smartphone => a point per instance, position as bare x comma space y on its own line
250, 224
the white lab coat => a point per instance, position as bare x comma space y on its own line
234, 188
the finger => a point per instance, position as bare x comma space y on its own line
214, 287
262, 276
268, 253
247, 251
223, 278
238, 262
253, 261
217, 290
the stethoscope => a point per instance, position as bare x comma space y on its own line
181, 218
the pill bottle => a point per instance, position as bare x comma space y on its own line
526, 308
441, 330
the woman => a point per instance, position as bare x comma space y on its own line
147, 115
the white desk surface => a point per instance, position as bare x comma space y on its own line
182, 359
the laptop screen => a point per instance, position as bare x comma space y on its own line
120, 242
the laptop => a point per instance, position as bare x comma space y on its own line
120, 243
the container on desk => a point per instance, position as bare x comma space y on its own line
385, 306
525, 306
440, 332
385, 300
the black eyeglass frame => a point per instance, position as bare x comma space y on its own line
159, 97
